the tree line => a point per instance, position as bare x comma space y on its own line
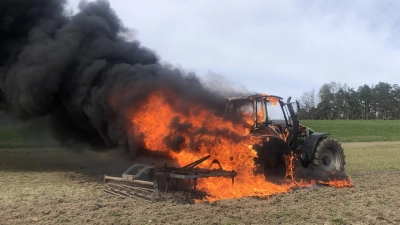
338, 101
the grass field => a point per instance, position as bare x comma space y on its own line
367, 143
358, 130
370, 145
54, 186
17, 134
371, 156
44, 183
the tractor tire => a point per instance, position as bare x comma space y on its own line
329, 155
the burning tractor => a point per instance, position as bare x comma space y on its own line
285, 137
279, 143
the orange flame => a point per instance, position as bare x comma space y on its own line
197, 132
289, 165
339, 183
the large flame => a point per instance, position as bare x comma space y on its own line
189, 135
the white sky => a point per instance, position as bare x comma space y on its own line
276, 47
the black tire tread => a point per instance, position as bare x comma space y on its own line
271, 158
325, 143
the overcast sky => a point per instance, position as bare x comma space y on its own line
272, 46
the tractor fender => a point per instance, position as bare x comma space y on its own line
310, 144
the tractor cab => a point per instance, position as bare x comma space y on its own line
266, 115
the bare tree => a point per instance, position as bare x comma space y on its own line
308, 101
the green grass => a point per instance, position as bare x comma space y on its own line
14, 134
377, 147
364, 156
357, 130
371, 156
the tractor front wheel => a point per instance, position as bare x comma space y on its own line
329, 155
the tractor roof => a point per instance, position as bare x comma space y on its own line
257, 97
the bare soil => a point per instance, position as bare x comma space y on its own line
52, 185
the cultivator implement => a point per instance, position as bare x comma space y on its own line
144, 183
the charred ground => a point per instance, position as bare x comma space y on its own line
43, 186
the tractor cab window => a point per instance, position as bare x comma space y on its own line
256, 110
239, 109
247, 110
275, 114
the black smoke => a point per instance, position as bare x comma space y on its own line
81, 73
71, 68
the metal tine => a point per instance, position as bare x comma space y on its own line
138, 174
113, 193
195, 163
149, 189
125, 193
130, 188
216, 161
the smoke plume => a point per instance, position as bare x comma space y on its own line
83, 73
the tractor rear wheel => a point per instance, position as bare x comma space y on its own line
271, 158
329, 155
